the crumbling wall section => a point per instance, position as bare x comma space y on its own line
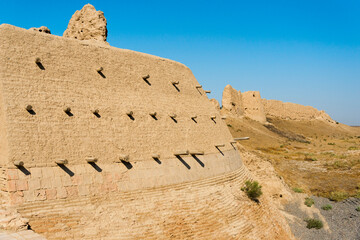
87, 24
232, 101
253, 106
293, 111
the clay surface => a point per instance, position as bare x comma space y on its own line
215, 103
87, 24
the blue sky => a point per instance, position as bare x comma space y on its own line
306, 52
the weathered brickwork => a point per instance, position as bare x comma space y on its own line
48, 183
210, 208
70, 80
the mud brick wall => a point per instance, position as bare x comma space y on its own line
51, 73
69, 78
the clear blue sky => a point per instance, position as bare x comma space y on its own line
306, 52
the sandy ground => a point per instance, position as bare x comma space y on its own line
341, 222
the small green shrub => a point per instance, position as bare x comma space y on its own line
252, 190
339, 164
309, 202
331, 143
314, 223
357, 194
298, 190
326, 207
310, 159
352, 148
229, 125
358, 209
338, 196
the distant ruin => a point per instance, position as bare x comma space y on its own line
250, 104
100, 142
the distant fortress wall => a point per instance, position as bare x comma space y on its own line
293, 111
250, 104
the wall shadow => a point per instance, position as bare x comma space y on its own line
233, 145
24, 170
127, 164
69, 113
183, 162
220, 151
174, 119
157, 160
32, 112
40, 65
66, 169
147, 81
214, 120
176, 88
198, 160
101, 74
95, 166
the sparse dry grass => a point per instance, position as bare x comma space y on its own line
328, 164
338, 196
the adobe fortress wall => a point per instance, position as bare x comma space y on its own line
68, 78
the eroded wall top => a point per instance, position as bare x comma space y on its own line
250, 104
247, 104
293, 111
232, 100
87, 24
253, 107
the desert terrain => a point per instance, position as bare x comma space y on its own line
296, 160
313, 156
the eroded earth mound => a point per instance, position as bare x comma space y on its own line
87, 24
